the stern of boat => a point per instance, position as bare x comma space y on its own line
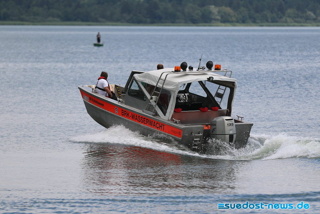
222, 129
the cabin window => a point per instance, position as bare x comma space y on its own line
164, 98
224, 102
135, 91
194, 95
149, 88
220, 93
196, 89
183, 87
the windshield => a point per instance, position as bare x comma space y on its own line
195, 95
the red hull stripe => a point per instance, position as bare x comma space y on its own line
121, 112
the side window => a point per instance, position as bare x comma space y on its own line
224, 101
164, 100
196, 88
149, 88
182, 87
220, 94
135, 91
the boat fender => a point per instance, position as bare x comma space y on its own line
215, 108
177, 110
203, 109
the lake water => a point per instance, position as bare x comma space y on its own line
55, 159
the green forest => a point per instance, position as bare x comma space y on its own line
194, 12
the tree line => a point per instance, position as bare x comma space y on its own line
163, 11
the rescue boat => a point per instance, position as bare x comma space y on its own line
192, 108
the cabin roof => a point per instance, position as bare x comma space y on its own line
175, 79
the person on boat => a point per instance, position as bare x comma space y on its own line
103, 86
98, 37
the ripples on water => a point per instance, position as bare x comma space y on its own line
130, 164
55, 159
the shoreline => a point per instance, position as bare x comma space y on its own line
3, 23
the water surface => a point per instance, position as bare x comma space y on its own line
54, 158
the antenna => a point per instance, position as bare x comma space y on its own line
199, 63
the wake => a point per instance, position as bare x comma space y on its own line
259, 147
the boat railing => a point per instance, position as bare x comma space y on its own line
226, 72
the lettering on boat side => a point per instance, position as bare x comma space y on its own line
96, 101
132, 116
143, 120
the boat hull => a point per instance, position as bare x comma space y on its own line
98, 44
108, 112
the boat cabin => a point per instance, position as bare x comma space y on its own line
186, 97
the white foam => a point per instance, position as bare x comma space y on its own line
264, 147
284, 146
123, 136
291, 147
